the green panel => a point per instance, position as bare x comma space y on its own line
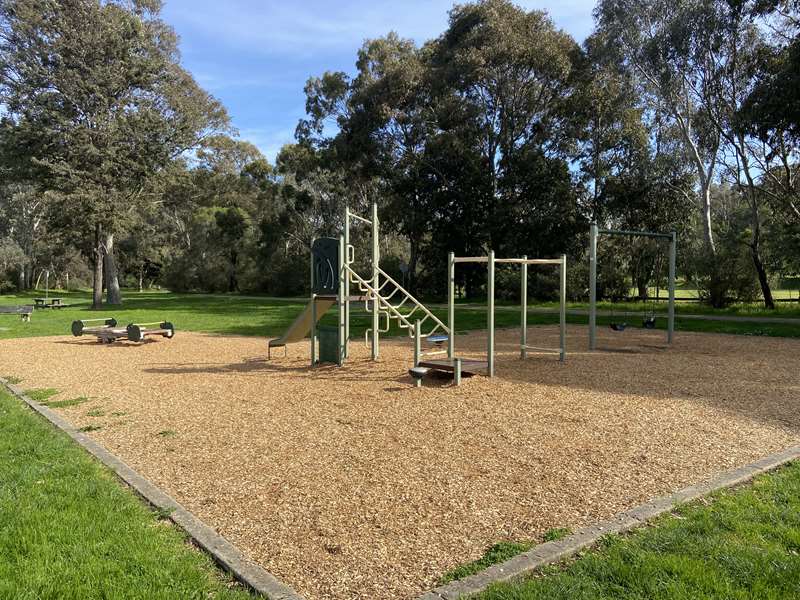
328, 344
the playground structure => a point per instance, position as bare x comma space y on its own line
107, 332
457, 365
649, 322
385, 300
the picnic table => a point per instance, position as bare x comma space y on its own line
49, 302
24, 312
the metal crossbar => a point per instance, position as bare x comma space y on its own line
529, 261
539, 349
623, 232
360, 218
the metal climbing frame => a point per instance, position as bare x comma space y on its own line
384, 298
594, 233
524, 262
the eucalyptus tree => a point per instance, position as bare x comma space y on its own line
696, 62
94, 96
771, 113
664, 44
503, 79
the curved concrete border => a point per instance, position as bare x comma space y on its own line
224, 553
550, 552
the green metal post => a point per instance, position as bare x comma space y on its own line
313, 310
563, 309
451, 300
490, 315
343, 275
346, 282
313, 329
376, 257
523, 352
671, 308
592, 286
417, 343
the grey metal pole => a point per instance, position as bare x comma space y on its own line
592, 286
313, 329
563, 309
375, 283
417, 343
523, 352
451, 300
457, 371
346, 283
671, 309
343, 275
490, 314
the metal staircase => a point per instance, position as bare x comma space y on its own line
393, 302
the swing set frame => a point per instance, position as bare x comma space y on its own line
594, 233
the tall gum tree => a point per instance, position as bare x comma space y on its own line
664, 44
96, 89
509, 73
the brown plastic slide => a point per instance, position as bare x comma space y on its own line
302, 324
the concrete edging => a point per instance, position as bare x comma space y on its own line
551, 552
222, 551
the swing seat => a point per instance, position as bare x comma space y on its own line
618, 326
649, 322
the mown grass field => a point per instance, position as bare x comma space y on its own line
69, 529
269, 317
736, 545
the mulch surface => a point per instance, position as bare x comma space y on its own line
351, 483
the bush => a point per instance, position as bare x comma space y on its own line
6, 286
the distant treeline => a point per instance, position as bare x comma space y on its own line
502, 133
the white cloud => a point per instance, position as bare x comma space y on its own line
292, 28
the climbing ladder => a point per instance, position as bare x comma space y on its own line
392, 301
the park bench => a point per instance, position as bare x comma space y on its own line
24, 312
49, 302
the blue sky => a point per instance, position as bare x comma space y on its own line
255, 56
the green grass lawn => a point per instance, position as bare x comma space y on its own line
269, 317
743, 545
69, 529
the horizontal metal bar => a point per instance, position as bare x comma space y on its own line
558, 350
651, 234
360, 218
529, 261
473, 259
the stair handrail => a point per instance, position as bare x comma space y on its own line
383, 305
415, 301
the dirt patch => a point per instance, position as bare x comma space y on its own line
351, 483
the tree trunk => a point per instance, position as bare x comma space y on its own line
97, 275
21, 278
233, 283
755, 252
413, 260
113, 294
766, 291
141, 278
705, 211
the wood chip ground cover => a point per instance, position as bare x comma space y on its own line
351, 483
